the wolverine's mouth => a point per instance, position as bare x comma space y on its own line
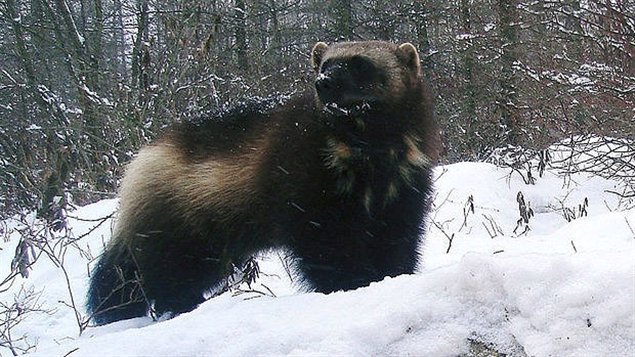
350, 104
339, 110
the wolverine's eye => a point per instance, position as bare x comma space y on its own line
361, 65
364, 72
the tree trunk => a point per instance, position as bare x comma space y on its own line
509, 116
241, 35
342, 12
275, 26
97, 38
137, 48
423, 36
120, 39
469, 91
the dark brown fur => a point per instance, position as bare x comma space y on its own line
343, 184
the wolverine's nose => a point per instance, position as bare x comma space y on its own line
324, 83
327, 88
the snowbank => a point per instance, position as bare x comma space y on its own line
561, 288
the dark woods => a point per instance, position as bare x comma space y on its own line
84, 83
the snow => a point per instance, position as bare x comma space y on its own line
465, 36
562, 289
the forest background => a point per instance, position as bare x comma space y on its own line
85, 83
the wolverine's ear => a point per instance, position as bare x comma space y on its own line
316, 55
409, 54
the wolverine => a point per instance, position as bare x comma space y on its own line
340, 177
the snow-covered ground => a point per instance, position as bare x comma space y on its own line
554, 287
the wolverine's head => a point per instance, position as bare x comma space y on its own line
354, 76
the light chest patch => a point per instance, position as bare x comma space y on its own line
402, 164
338, 156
